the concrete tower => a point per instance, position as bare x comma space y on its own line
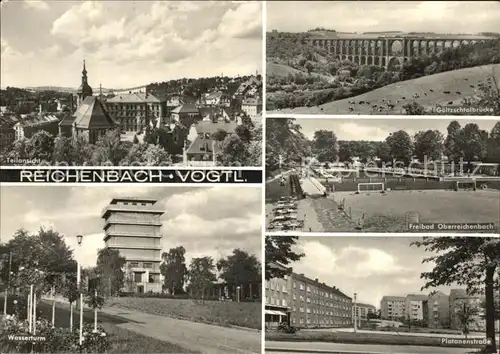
132, 226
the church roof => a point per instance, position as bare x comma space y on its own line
85, 89
92, 114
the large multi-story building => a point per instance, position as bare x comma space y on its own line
438, 310
135, 111
306, 303
360, 311
416, 307
392, 307
252, 107
132, 226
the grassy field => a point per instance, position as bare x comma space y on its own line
387, 211
357, 338
281, 70
243, 314
123, 340
453, 81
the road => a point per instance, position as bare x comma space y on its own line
339, 348
205, 338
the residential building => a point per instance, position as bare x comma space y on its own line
307, 302
31, 124
132, 226
252, 107
392, 308
186, 114
438, 310
416, 307
134, 111
203, 146
361, 311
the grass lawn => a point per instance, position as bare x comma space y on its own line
123, 340
243, 314
453, 81
358, 338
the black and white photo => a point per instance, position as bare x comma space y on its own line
383, 57
381, 294
131, 83
382, 175
130, 269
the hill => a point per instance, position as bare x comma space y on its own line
282, 70
431, 90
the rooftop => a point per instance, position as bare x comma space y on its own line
133, 199
92, 113
186, 108
208, 127
140, 97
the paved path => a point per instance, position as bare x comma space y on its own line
330, 217
339, 348
205, 338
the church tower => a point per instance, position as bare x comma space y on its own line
84, 90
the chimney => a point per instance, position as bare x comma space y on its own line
316, 280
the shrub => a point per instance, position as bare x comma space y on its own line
57, 340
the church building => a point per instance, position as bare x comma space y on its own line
91, 119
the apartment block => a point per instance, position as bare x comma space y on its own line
392, 307
438, 310
307, 303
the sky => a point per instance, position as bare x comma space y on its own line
372, 16
127, 43
372, 267
379, 129
206, 221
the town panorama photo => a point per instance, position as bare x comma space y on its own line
131, 83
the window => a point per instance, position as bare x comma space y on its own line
148, 265
137, 277
134, 264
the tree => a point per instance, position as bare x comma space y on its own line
244, 132
201, 275
136, 139
383, 151
40, 146
466, 314
110, 149
428, 145
372, 315
239, 268
219, 135
109, 268
473, 142
400, 146
309, 66
493, 154
233, 151
466, 261
71, 293
325, 146
451, 144
173, 269
279, 251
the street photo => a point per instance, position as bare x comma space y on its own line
383, 58
382, 175
379, 295
131, 83
97, 269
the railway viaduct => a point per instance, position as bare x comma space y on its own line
389, 52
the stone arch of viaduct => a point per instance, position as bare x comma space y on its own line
386, 52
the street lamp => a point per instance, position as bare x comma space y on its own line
355, 314
78, 281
